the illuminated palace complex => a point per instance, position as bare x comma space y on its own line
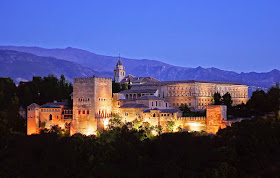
148, 100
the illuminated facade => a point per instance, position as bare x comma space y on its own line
153, 102
48, 115
196, 94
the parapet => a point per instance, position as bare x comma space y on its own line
90, 79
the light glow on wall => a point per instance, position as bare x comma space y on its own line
106, 123
195, 126
90, 131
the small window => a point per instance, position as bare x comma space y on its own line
79, 112
50, 117
84, 111
87, 111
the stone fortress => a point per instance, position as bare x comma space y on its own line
149, 100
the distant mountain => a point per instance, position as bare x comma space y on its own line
101, 63
144, 67
23, 66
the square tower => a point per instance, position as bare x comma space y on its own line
92, 104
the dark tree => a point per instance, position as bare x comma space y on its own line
273, 97
258, 103
226, 100
217, 99
185, 109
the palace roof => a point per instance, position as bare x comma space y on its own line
139, 91
54, 104
33, 105
162, 110
187, 81
149, 97
134, 105
138, 80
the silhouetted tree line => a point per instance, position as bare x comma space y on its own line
247, 149
188, 113
43, 90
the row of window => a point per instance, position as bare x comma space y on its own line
50, 110
178, 88
83, 111
212, 88
102, 99
83, 99
67, 112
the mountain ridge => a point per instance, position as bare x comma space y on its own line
145, 67
22, 66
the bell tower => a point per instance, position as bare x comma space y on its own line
119, 71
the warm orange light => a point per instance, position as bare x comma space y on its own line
195, 126
90, 131
106, 123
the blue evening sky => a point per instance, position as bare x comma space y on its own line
238, 35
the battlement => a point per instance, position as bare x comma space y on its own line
192, 118
90, 79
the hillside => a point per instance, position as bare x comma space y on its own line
144, 67
23, 66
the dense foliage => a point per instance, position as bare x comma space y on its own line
259, 104
117, 87
188, 113
247, 149
43, 90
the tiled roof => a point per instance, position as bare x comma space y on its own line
54, 105
139, 91
169, 110
149, 97
187, 81
34, 105
162, 110
126, 100
133, 79
134, 105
